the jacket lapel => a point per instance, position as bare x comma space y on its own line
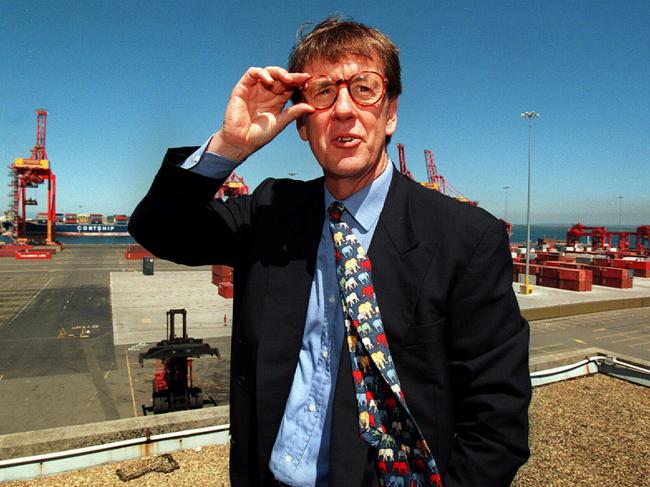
399, 260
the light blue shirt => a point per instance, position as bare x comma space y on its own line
300, 455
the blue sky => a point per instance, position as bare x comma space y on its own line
124, 80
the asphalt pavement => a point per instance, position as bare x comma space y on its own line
60, 363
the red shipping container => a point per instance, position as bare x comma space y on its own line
218, 279
595, 270
601, 261
619, 283
226, 290
574, 285
614, 273
550, 272
533, 269
619, 263
571, 275
641, 265
221, 270
547, 281
566, 258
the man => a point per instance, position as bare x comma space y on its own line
456, 347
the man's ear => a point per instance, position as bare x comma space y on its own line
391, 121
302, 129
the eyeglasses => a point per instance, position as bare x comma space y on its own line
366, 88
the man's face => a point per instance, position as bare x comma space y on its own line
348, 140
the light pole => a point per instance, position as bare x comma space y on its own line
620, 211
527, 288
505, 189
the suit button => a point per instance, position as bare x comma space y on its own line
241, 380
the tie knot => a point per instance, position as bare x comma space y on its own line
335, 211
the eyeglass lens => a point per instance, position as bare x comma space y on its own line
366, 88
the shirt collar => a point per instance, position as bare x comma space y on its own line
366, 204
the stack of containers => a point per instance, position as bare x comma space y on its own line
548, 276
574, 279
222, 278
600, 275
640, 267
616, 277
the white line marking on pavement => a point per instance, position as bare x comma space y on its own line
29, 302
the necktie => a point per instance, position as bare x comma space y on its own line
385, 422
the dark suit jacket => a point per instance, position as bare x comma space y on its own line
442, 274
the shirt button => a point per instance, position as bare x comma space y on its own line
288, 458
332, 299
325, 353
312, 407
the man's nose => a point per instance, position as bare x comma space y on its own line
343, 105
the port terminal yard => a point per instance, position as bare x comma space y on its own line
72, 327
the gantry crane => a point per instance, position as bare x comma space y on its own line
30, 173
402, 161
233, 187
603, 239
437, 181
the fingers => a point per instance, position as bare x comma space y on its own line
273, 78
292, 113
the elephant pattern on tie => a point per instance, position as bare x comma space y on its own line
385, 422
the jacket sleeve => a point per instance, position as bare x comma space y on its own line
488, 354
179, 219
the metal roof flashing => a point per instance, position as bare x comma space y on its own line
571, 365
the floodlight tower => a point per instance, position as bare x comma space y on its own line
527, 288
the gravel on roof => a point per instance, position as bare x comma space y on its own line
589, 431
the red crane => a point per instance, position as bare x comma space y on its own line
233, 187
402, 161
30, 173
642, 239
437, 181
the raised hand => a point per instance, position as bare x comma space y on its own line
255, 113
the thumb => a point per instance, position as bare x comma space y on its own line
294, 112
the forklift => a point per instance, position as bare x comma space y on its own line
173, 387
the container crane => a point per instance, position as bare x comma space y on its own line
402, 161
437, 181
233, 187
30, 173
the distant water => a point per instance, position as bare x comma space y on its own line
97, 240
89, 240
556, 232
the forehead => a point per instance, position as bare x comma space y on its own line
343, 67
